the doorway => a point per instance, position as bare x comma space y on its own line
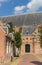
27, 48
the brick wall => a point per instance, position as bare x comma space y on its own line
2, 44
28, 40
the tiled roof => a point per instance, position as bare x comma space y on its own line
28, 30
27, 19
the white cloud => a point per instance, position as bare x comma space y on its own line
32, 6
3, 0
19, 9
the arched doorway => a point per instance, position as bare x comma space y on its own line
27, 48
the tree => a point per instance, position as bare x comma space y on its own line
10, 28
40, 35
18, 42
18, 39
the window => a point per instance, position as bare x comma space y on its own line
25, 31
7, 47
27, 38
5, 29
30, 38
23, 39
20, 30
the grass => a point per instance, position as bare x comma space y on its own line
17, 60
14, 62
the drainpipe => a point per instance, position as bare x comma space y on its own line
11, 52
33, 45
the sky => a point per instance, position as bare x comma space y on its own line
16, 7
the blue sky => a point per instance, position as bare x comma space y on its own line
14, 7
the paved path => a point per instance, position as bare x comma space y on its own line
29, 59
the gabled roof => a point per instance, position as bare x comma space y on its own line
25, 19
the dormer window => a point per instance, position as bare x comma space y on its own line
27, 32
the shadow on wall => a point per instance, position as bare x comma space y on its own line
36, 62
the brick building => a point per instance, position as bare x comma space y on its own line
6, 44
30, 42
27, 25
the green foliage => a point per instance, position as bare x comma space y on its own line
40, 32
18, 39
11, 27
